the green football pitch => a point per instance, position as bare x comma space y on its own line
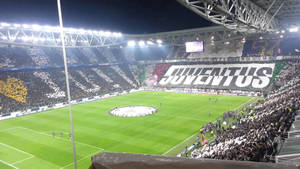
27, 142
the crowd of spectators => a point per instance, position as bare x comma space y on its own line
255, 136
43, 76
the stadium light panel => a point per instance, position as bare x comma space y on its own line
150, 42
115, 34
36, 27
4, 24
25, 26
131, 43
72, 30
48, 28
16, 25
35, 39
294, 29
107, 34
244, 40
82, 31
141, 43
90, 31
101, 33
25, 38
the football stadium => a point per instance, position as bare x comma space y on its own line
220, 96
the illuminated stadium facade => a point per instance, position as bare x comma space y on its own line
248, 72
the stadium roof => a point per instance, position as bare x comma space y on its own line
287, 15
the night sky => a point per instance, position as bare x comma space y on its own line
126, 16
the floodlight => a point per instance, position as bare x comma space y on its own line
294, 29
42, 39
101, 33
56, 28
25, 26
36, 27
107, 33
115, 34
159, 41
244, 40
47, 28
72, 30
16, 25
90, 31
82, 31
4, 24
35, 39
142, 43
227, 43
149, 42
131, 43
283, 31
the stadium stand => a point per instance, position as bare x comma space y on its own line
271, 47
32, 77
256, 136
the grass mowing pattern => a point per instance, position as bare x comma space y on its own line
27, 142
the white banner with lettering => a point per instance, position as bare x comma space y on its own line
221, 76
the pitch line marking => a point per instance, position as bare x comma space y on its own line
12, 128
17, 162
179, 144
24, 152
77, 142
9, 164
11, 147
80, 159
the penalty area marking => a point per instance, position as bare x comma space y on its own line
9, 164
16, 149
